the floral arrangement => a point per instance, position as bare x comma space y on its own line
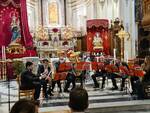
18, 67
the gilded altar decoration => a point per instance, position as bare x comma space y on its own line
97, 42
53, 13
15, 49
67, 32
41, 33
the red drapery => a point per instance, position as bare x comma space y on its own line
98, 26
7, 8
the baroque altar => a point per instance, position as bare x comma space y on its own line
50, 41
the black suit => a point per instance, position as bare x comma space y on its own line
43, 81
30, 81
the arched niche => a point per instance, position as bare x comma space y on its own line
52, 15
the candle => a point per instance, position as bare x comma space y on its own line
114, 55
2, 52
127, 57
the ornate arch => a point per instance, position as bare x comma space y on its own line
5, 3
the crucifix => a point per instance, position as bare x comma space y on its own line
122, 34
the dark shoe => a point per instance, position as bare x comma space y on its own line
96, 86
50, 94
133, 93
46, 96
60, 91
67, 91
102, 87
114, 88
121, 89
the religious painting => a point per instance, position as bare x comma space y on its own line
53, 13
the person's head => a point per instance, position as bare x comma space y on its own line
78, 99
29, 65
147, 60
45, 62
25, 106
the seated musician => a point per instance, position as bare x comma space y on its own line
56, 66
123, 72
82, 69
134, 79
44, 72
70, 79
30, 81
146, 68
146, 79
99, 73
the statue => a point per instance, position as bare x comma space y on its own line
15, 47
15, 28
55, 40
97, 42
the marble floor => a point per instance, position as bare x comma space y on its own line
98, 99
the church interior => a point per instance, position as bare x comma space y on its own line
101, 46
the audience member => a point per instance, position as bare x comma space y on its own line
25, 106
78, 100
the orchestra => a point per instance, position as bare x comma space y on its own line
78, 68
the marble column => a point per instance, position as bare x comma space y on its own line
127, 15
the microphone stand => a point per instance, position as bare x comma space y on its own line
8, 86
8, 94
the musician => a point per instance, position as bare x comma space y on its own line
70, 79
30, 81
110, 73
123, 74
44, 72
134, 79
146, 79
56, 66
99, 73
146, 68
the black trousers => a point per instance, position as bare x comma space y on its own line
81, 77
98, 74
70, 79
37, 91
113, 78
134, 80
44, 85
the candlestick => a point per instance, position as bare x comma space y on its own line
114, 55
2, 52
127, 57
